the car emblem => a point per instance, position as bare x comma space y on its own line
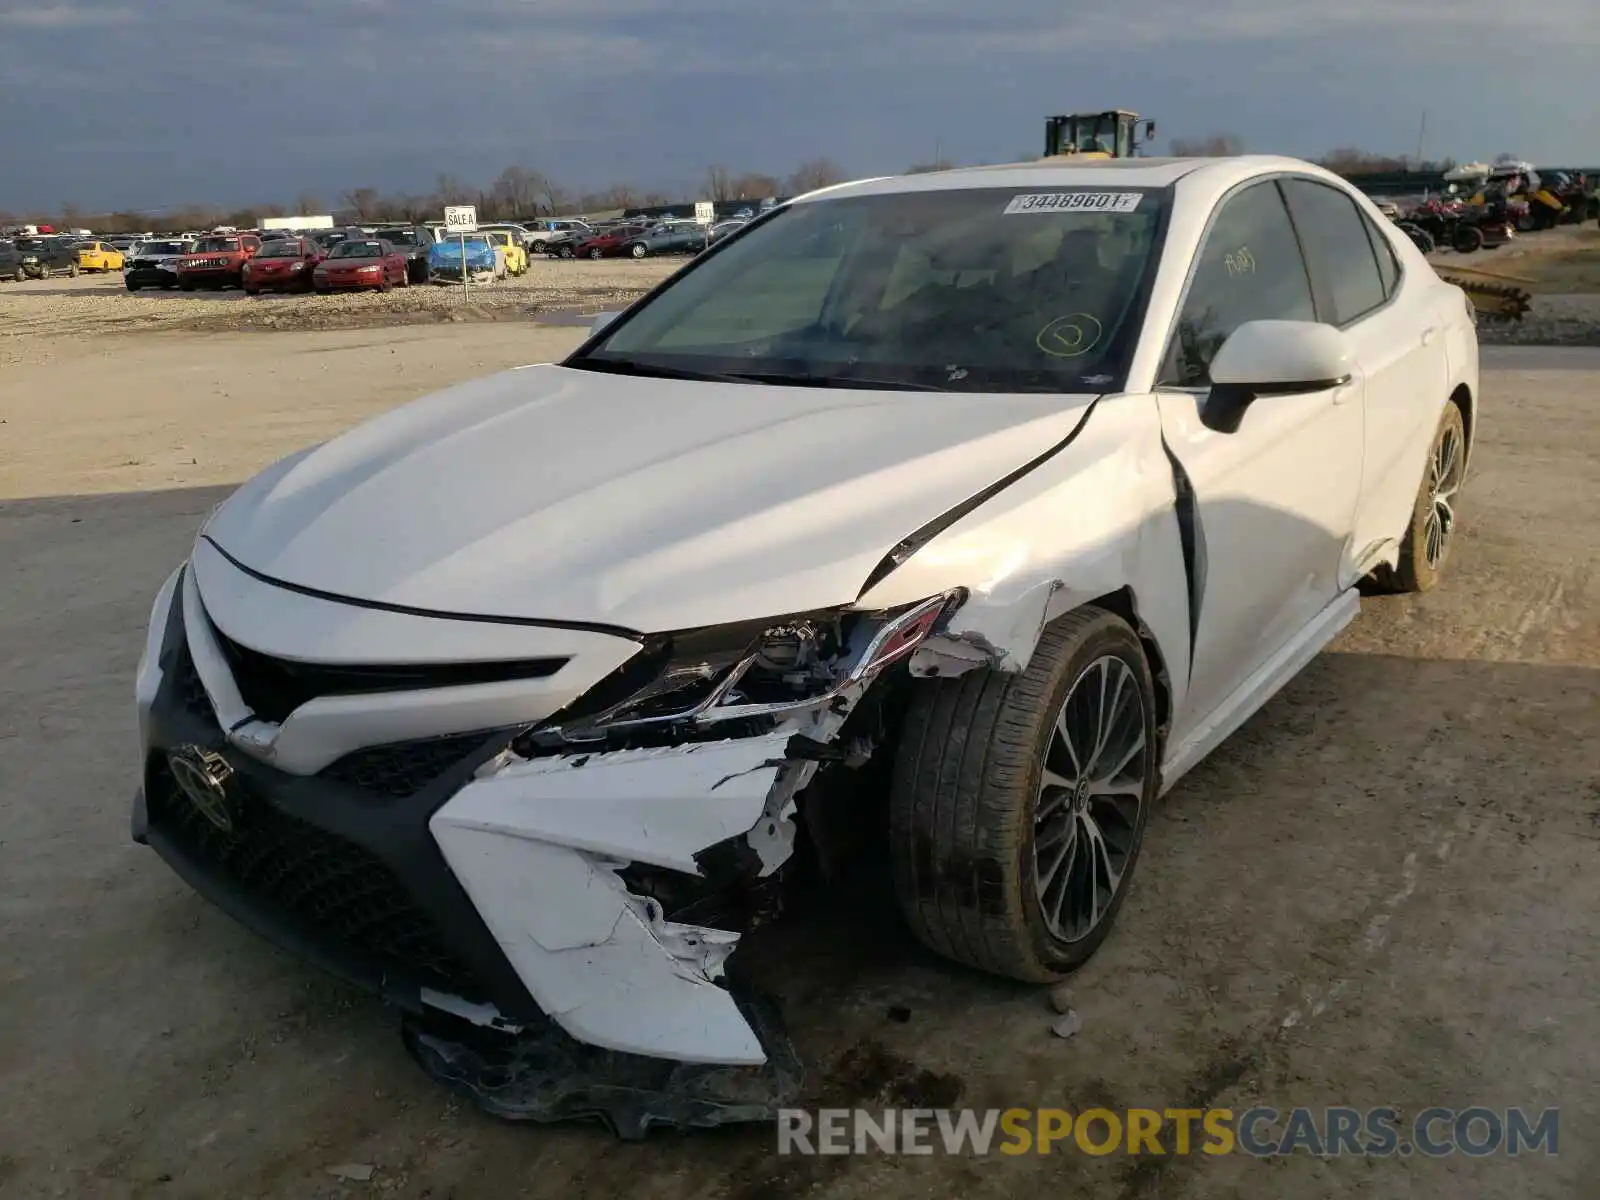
202, 776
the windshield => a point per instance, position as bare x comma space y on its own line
981, 289
281, 250
162, 248
473, 241
401, 237
357, 250
216, 243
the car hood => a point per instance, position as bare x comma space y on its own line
551, 493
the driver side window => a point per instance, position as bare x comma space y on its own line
1250, 268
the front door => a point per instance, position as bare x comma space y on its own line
1274, 500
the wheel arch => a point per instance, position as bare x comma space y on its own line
1123, 603
1463, 399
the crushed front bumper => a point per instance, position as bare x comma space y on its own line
460, 881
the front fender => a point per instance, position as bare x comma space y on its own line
1097, 517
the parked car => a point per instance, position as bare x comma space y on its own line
565, 243
510, 241
475, 254
10, 262
543, 232
414, 241
282, 265
1121, 442
99, 256
41, 257
217, 261
327, 239
608, 244
155, 263
669, 237
357, 264
723, 229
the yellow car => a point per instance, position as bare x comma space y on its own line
516, 252
97, 256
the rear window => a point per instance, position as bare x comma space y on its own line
358, 250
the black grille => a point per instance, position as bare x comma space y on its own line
404, 768
335, 892
191, 691
274, 687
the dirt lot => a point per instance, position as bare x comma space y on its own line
1383, 891
97, 305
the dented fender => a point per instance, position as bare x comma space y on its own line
1096, 518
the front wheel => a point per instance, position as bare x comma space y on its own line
72, 270
131, 285
1019, 801
638, 252
596, 255
1426, 544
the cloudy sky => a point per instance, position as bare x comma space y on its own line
108, 103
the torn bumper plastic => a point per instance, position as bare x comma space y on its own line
537, 844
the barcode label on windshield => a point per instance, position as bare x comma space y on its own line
1100, 202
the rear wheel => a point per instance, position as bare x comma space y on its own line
72, 270
1019, 801
1467, 239
130, 285
1426, 545
638, 251
596, 255
185, 285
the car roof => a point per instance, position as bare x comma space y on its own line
1219, 174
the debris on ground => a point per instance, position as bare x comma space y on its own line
353, 1172
1068, 1025
1061, 997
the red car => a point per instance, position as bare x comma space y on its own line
608, 244
363, 263
217, 261
282, 266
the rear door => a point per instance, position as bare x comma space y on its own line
1273, 501
1399, 337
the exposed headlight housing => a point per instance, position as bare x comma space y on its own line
753, 670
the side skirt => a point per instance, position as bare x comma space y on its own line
1261, 686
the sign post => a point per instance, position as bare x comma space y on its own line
462, 219
705, 212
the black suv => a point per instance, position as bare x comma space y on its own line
414, 241
39, 256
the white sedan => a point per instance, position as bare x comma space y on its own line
976, 507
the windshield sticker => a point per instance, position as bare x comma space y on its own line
1241, 262
1070, 336
1100, 202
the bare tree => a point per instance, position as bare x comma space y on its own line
307, 203
517, 192
753, 185
1215, 145
620, 195
813, 174
448, 189
363, 201
719, 183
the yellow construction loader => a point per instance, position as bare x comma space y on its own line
1114, 134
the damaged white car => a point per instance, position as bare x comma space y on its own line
1016, 489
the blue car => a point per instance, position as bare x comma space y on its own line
445, 258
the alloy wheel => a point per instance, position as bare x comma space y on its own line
1444, 481
1092, 785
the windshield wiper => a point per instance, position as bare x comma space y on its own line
611, 366
796, 379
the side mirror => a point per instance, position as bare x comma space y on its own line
1274, 358
601, 320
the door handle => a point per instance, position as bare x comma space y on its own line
1429, 334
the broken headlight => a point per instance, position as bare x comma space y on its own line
754, 669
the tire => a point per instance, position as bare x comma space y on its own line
639, 251
1425, 548
252, 291
18, 275
596, 255
1467, 239
565, 252
44, 271
72, 270
536, 248
324, 291
185, 286
130, 285
967, 790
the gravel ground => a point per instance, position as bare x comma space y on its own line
1381, 891
1551, 321
99, 304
